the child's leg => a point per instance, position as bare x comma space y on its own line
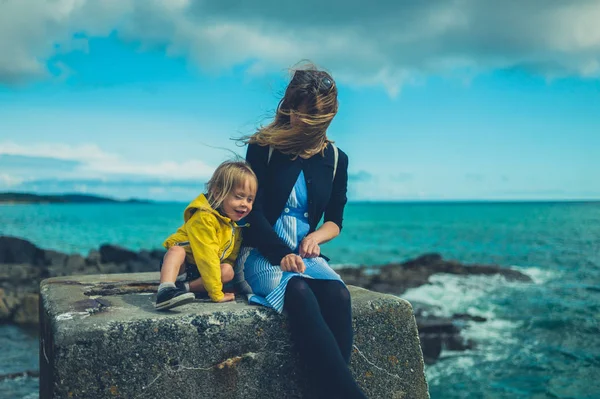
173, 264
168, 295
226, 276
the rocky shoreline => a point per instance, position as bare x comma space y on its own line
23, 265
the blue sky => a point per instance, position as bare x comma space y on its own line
438, 101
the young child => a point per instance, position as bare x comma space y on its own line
201, 254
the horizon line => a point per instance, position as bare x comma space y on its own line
357, 201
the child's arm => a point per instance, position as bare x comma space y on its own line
237, 244
201, 229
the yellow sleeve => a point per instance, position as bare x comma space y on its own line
202, 234
236, 249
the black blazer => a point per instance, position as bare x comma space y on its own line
275, 182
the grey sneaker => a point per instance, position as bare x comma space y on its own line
170, 297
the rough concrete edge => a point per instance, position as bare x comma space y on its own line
48, 325
405, 308
46, 350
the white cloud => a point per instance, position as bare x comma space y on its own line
8, 181
83, 153
385, 43
81, 188
93, 162
192, 169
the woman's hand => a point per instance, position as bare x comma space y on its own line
228, 297
309, 247
292, 263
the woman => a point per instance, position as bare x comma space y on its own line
302, 177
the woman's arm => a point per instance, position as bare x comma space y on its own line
334, 212
263, 237
310, 245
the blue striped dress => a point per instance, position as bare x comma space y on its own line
268, 282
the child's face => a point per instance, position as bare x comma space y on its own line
238, 203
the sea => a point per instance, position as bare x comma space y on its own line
539, 340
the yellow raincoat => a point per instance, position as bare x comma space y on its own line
209, 239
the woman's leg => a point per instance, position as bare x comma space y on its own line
334, 301
316, 344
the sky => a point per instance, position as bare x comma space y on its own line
439, 100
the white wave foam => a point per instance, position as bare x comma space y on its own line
458, 294
450, 294
342, 265
451, 362
492, 332
538, 274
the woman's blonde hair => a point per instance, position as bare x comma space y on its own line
227, 177
316, 92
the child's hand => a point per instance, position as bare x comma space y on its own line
228, 297
292, 263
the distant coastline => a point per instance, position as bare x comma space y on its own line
8, 198
27, 198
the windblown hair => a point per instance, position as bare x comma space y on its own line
227, 177
311, 96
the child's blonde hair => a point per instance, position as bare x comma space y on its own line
228, 176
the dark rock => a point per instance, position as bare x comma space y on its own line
75, 264
146, 256
15, 250
20, 374
423, 260
149, 265
457, 343
94, 258
55, 258
431, 345
437, 334
109, 268
19, 282
436, 326
15, 275
396, 278
466, 316
115, 254
157, 254
7, 307
19, 307
27, 313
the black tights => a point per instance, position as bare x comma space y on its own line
320, 319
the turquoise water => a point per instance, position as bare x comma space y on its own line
19, 350
541, 340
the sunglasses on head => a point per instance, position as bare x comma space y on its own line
324, 82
